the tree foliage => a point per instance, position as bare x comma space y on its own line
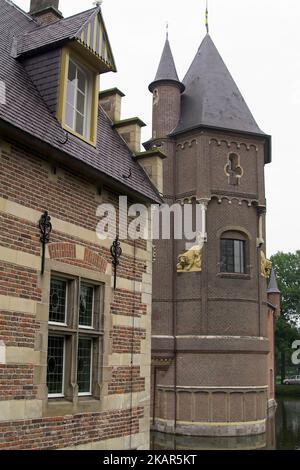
287, 268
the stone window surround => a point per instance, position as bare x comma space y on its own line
239, 233
72, 331
73, 403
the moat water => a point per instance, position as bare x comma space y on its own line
283, 433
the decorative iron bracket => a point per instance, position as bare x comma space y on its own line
116, 253
45, 227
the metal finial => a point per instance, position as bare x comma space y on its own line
167, 30
98, 3
206, 18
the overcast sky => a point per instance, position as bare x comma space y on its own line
259, 41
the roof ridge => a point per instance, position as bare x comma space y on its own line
45, 26
96, 10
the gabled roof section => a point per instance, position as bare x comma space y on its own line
87, 28
26, 113
167, 69
211, 98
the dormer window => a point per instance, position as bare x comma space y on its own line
79, 99
78, 110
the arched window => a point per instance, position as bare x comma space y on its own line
233, 253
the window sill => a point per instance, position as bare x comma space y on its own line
91, 142
62, 406
234, 276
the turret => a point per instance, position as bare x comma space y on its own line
274, 297
166, 89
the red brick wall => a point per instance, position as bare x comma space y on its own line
21, 282
17, 329
128, 303
127, 340
126, 380
67, 197
66, 431
19, 234
16, 382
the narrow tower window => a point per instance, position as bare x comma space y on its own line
233, 256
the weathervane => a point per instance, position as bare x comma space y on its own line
206, 18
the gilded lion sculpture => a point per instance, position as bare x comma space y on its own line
266, 266
190, 261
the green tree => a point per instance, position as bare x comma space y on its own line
287, 268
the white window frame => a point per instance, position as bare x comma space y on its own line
88, 101
90, 393
61, 395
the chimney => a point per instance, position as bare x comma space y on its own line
152, 163
111, 100
130, 131
45, 11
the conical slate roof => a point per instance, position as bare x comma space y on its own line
211, 97
273, 286
166, 69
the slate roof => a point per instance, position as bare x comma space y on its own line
42, 36
26, 110
211, 97
273, 286
166, 69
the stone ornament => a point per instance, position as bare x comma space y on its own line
266, 266
190, 261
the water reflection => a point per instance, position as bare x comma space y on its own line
283, 432
288, 424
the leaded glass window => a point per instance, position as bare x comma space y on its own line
84, 367
75, 336
233, 256
86, 307
55, 365
58, 301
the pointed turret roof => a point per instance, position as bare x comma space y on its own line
211, 97
273, 286
167, 69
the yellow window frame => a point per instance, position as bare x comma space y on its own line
68, 53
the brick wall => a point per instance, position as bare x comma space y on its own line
66, 196
66, 431
19, 282
16, 382
126, 380
127, 340
128, 303
17, 329
19, 234
26, 180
